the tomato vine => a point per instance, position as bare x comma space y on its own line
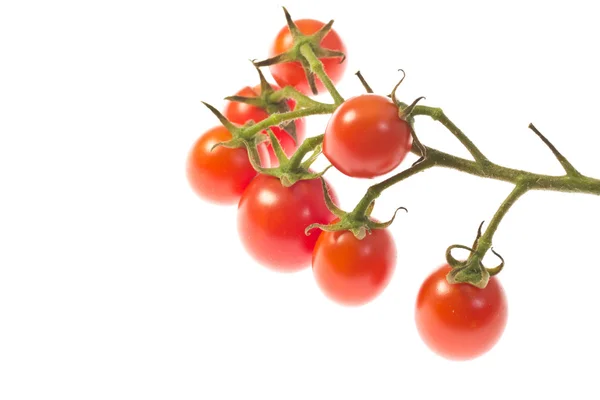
341, 262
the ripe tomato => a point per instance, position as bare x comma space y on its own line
240, 113
292, 73
366, 138
352, 271
272, 218
221, 175
460, 321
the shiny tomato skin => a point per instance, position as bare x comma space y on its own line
240, 113
460, 321
353, 272
366, 138
292, 73
272, 218
221, 175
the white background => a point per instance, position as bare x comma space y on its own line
117, 282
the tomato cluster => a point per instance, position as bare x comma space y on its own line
367, 136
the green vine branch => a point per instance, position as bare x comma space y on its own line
438, 115
281, 118
484, 243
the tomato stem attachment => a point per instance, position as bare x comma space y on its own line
359, 224
293, 169
307, 50
239, 138
472, 270
375, 191
266, 101
316, 66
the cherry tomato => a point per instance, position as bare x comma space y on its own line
221, 175
460, 321
366, 138
292, 73
272, 218
240, 113
352, 271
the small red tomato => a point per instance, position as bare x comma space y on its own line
460, 321
352, 271
272, 218
292, 73
365, 137
240, 113
221, 175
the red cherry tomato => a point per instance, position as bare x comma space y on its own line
366, 138
272, 218
240, 113
460, 321
221, 175
352, 271
292, 73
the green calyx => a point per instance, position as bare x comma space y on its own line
472, 270
270, 102
304, 44
294, 168
358, 222
241, 137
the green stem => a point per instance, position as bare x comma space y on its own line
317, 67
438, 115
485, 241
375, 191
579, 184
306, 147
484, 169
288, 92
278, 118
